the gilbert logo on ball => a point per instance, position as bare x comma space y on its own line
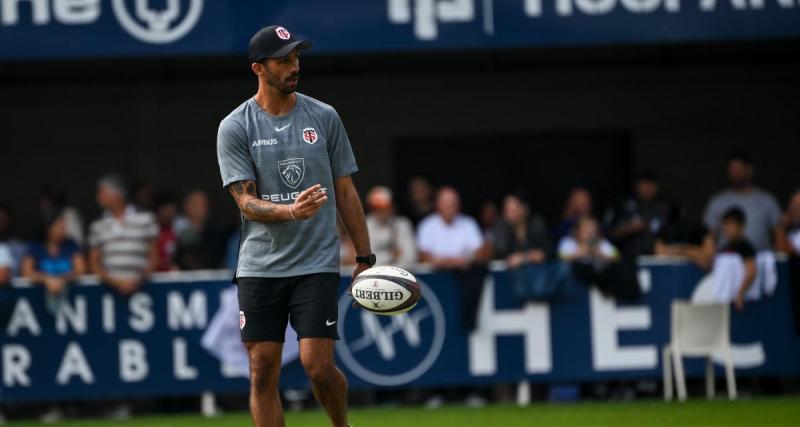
282, 33
386, 290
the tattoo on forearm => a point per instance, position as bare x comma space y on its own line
257, 208
243, 187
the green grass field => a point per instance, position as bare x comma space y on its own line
745, 413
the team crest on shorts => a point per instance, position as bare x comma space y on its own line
292, 171
283, 33
242, 320
310, 135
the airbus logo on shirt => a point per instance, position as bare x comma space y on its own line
262, 142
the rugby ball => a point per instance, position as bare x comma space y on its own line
386, 290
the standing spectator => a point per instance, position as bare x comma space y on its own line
578, 205
53, 260
166, 211
451, 241
740, 251
520, 237
123, 241
635, 222
487, 218
9, 238
6, 264
420, 199
790, 243
200, 246
53, 202
391, 236
760, 207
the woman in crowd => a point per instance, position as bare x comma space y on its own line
520, 237
53, 260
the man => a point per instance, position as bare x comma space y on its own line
391, 236
636, 221
282, 156
760, 207
448, 240
122, 243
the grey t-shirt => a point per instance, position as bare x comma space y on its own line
286, 155
761, 211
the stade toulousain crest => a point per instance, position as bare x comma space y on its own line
292, 171
310, 135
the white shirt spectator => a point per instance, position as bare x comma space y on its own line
459, 239
6, 260
125, 242
568, 248
392, 242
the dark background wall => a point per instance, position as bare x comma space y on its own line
67, 123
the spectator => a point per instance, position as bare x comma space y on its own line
9, 238
733, 227
123, 241
586, 244
579, 204
635, 222
760, 208
391, 236
53, 202
596, 261
420, 199
487, 218
200, 246
6, 264
520, 237
166, 211
790, 243
53, 260
682, 238
451, 241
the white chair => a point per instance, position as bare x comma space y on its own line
698, 330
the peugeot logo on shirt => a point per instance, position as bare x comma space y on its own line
292, 171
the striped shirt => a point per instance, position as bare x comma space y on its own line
124, 243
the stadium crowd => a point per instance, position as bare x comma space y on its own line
143, 231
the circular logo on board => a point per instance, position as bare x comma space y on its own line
157, 25
391, 350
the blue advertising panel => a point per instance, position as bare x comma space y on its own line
43, 29
103, 346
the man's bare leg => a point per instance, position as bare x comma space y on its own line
327, 381
265, 372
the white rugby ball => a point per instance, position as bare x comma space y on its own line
386, 290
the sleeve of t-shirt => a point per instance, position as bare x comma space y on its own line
474, 236
712, 214
343, 162
233, 153
773, 212
566, 247
745, 249
151, 230
6, 261
424, 237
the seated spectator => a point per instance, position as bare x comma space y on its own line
596, 262
520, 237
166, 212
6, 264
420, 199
635, 222
578, 205
760, 207
200, 246
123, 241
53, 260
734, 268
681, 238
451, 241
391, 236
9, 238
586, 244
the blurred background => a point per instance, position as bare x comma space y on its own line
597, 148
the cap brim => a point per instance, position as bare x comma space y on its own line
300, 44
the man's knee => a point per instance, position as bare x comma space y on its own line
320, 371
265, 366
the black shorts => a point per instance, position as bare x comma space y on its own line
267, 304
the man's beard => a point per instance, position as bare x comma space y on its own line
287, 86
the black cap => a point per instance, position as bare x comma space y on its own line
273, 42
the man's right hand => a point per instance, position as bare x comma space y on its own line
309, 202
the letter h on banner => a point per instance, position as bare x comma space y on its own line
532, 322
